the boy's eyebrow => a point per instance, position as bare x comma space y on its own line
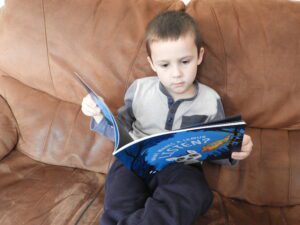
162, 61
182, 58
186, 57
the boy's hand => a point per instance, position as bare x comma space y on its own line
89, 108
245, 150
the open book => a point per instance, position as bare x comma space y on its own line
148, 155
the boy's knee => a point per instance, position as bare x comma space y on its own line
203, 195
206, 202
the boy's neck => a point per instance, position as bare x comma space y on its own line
188, 95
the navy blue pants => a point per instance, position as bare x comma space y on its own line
176, 195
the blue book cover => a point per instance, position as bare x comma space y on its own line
149, 155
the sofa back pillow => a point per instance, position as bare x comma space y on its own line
43, 43
46, 41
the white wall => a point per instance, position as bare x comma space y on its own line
186, 1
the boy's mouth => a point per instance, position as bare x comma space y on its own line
178, 84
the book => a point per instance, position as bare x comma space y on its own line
149, 155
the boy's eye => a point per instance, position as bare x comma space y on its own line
164, 65
186, 61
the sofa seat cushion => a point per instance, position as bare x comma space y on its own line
34, 193
226, 211
93, 213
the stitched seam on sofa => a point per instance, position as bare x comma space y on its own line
129, 72
49, 130
141, 42
283, 216
261, 195
257, 10
99, 2
70, 133
223, 209
47, 48
239, 33
4, 96
114, 31
15, 120
235, 11
81, 203
97, 194
222, 43
290, 169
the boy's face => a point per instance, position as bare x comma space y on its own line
175, 62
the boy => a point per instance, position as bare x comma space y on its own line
172, 100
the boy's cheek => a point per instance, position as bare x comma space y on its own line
164, 79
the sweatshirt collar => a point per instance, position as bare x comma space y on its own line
170, 98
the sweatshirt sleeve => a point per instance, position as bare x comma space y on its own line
103, 128
125, 116
125, 113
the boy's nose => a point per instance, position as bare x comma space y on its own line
176, 72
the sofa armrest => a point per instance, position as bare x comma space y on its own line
8, 129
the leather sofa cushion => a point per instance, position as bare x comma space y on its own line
230, 211
251, 52
45, 42
252, 58
99, 39
270, 176
54, 131
35, 193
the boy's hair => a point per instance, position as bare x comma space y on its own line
171, 25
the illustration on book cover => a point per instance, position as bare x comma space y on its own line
192, 146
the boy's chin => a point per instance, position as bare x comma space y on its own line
182, 92
180, 89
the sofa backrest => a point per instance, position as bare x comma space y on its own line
252, 59
42, 43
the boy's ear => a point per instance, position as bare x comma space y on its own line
151, 63
200, 56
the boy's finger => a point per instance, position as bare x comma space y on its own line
247, 141
89, 102
91, 111
92, 108
239, 155
87, 107
86, 112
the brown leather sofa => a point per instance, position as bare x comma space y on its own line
52, 167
